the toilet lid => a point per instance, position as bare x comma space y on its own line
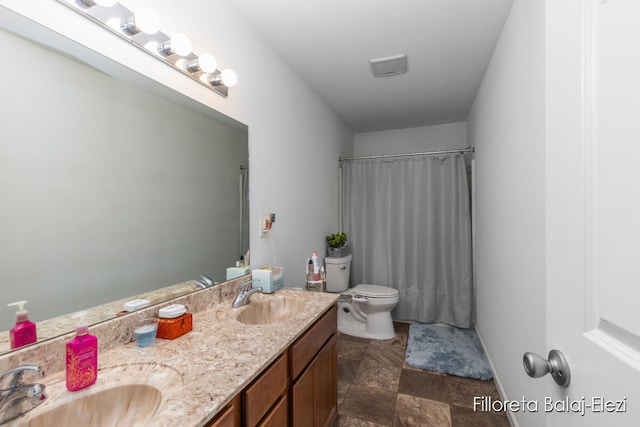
375, 291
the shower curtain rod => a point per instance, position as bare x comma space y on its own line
424, 153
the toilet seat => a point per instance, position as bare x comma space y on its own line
374, 291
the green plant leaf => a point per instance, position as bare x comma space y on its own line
337, 240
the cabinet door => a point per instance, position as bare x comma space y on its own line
302, 399
314, 396
326, 385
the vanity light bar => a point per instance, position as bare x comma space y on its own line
141, 29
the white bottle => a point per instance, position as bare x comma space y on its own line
316, 266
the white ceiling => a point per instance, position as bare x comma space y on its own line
330, 42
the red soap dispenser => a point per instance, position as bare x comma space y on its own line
82, 358
24, 332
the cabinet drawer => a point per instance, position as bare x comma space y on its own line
229, 416
265, 391
279, 416
306, 347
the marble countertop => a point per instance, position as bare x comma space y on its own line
208, 365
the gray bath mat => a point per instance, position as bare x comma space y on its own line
446, 349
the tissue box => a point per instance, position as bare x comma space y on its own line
233, 272
270, 279
170, 329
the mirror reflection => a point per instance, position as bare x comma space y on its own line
109, 190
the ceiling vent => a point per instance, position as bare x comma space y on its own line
389, 66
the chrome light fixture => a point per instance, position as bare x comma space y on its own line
142, 29
106, 3
178, 44
143, 21
205, 63
226, 78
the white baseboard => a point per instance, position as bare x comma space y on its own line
510, 415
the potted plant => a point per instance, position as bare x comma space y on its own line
337, 245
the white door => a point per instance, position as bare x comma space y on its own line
593, 209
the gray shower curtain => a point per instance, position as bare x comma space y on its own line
409, 226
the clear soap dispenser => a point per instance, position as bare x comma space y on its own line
24, 332
82, 357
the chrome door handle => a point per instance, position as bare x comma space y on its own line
537, 366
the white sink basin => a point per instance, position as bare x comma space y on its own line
126, 395
126, 405
270, 309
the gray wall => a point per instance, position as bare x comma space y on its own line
410, 140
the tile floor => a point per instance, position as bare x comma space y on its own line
376, 388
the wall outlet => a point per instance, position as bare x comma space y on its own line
266, 222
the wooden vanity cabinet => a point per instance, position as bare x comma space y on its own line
314, 385
298, 389
260, 397
263, 403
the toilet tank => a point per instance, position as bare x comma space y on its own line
338, 270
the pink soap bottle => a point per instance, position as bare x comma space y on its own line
82, 358
24, 332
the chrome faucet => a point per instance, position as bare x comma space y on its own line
244, 293
18, 398
204, 282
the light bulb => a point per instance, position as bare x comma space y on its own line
151, 46
229, 78
147, 21
144, 20
178, 44
207, 63
181, 44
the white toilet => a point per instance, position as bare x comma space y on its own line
365, 310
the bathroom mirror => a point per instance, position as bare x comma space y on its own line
111, 185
